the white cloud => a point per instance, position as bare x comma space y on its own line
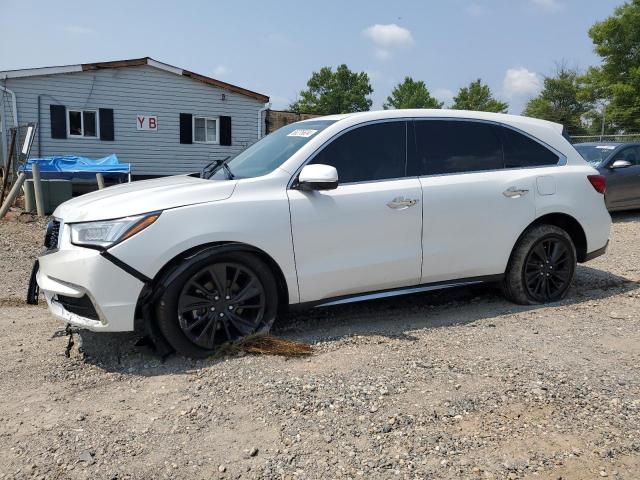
443, 94
547, 5
221, 71
387, 38
78, 30
519, 81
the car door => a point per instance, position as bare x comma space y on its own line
474, 209
623, 184
366, 234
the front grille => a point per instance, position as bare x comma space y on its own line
52, 234
80, 306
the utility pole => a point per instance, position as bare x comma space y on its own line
604, 108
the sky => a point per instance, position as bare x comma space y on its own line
273, 47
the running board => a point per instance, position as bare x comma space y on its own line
398, 292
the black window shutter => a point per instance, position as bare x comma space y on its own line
186, 128
58, 121
106, 124
225, 130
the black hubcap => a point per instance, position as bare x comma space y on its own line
548, 269
221, 303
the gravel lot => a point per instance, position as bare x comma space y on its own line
456, 384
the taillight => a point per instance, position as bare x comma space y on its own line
599, 182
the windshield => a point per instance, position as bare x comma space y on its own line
595, 154
270, 152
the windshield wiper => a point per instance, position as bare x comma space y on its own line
208, 171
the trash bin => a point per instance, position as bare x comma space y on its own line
54, 192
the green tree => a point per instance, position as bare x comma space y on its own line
411, 94
478, 97
617, 80
328, 92
561, 100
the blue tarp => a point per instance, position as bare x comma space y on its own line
71, 163
72, 167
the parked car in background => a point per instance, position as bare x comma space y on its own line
620, 164
326, 211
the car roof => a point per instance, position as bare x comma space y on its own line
543, 131
441, 113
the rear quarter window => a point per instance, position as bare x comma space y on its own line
522, 151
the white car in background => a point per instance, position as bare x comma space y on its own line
325, 211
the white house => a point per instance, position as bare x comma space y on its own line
162, 119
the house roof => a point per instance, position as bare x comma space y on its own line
135, 62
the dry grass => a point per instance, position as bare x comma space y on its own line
268, 345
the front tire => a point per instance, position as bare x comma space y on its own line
217, 300
541, 267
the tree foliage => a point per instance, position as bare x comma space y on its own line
329, 92
478, 97
411, 94
561, 101
617, 80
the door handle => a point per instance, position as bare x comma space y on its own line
400, 203
515, 192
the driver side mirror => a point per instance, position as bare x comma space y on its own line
620, 164
318, 177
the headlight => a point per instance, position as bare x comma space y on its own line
107, 233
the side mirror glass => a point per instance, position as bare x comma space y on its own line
620, 164
318, 177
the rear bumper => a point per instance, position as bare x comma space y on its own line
74, 279
596, 253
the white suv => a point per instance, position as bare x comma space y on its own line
325, 211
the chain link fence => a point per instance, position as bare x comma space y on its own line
627, 137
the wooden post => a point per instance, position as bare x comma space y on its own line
12, 195
100, 179
37, 189
7, 170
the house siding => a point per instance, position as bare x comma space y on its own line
130, 91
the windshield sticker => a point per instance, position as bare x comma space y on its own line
606, 147
302, 133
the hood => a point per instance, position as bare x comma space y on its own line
142, 197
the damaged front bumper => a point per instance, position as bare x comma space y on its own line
84, 289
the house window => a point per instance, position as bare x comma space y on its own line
82, 123
205, 130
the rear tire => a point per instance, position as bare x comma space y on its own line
542, 266
217, 300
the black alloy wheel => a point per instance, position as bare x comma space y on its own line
548, 269
541, 266
221, 303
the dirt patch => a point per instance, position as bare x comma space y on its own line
20, 244
456, 384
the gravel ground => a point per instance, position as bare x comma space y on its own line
455, 384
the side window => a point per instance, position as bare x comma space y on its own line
453, 146
522, 151
629, 154
371, 152
82, 123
